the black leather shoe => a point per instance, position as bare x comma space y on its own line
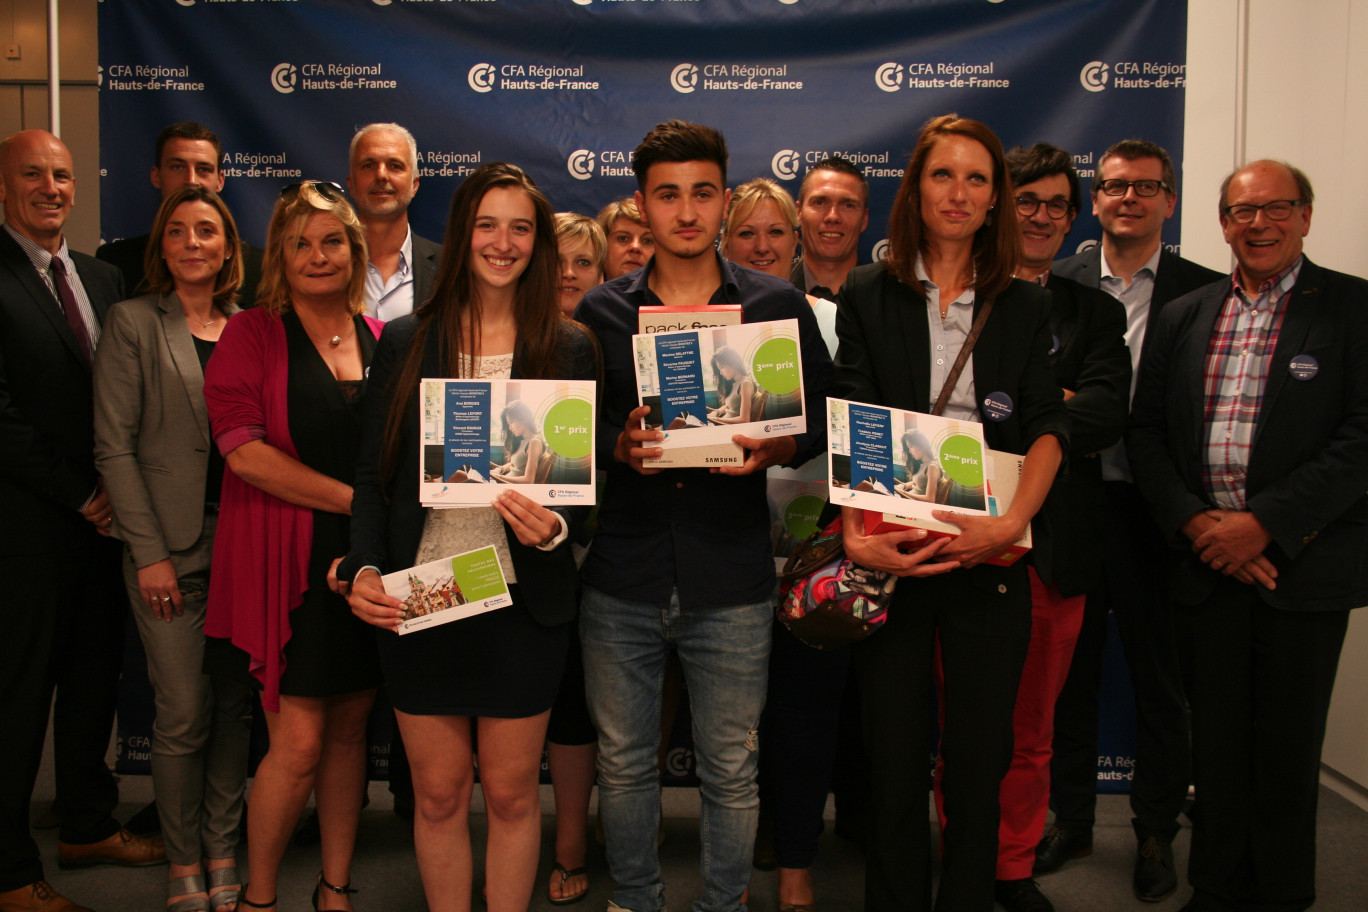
1021, 896
1060, 844
1155, 879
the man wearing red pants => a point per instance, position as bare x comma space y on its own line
1091, 364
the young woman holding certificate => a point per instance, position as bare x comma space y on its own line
493, 315
283, 391
902, 323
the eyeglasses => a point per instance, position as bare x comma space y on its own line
1276, 210
327, 189
1028, 206
1118, 187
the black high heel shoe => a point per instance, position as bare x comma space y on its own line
343, 890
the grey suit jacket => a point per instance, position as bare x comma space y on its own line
151, 426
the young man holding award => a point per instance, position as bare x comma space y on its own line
682, 558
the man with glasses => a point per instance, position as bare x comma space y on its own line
1249, 439
1090, 363
187, 153
833, 211
1134, 192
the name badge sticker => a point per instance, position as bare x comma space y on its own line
997, 406
1303, 367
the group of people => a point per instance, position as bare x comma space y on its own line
236, 445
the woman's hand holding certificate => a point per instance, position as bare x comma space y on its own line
371, 604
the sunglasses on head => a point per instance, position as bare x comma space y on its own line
327, 189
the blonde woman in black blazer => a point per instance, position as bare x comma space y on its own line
162, 473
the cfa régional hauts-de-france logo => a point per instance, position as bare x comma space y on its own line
382, 2
684, 78
481, 77
1094, 76
186, 2
1086, 245
784, 164
880, 251
889, 77
283, 78
580, 164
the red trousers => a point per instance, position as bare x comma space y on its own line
1024, 796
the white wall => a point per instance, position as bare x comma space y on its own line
1303, 101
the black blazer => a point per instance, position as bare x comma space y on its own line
427, 256
1173, 278
1308, 469
1089, 356
387, 522
128, 254
885, 350
47, 430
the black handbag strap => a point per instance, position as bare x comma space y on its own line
965, 350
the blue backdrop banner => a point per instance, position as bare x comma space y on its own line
567, 88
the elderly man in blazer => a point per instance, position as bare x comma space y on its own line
63, 611
1134, 192
1249, 439
383, 179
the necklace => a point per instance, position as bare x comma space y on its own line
210, 323
335, 340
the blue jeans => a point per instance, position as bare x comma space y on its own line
725, 655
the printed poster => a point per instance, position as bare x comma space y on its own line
481, 436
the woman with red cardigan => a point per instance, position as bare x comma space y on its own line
284, 390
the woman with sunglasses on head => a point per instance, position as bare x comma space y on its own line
152, 450
493, 315
284, 391
947, 281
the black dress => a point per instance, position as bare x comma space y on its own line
500, 664
330, 651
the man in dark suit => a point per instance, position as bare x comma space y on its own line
833, 211
1250, 443
1134, 192
383, 179
186, 153
1090, 362
64, 609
